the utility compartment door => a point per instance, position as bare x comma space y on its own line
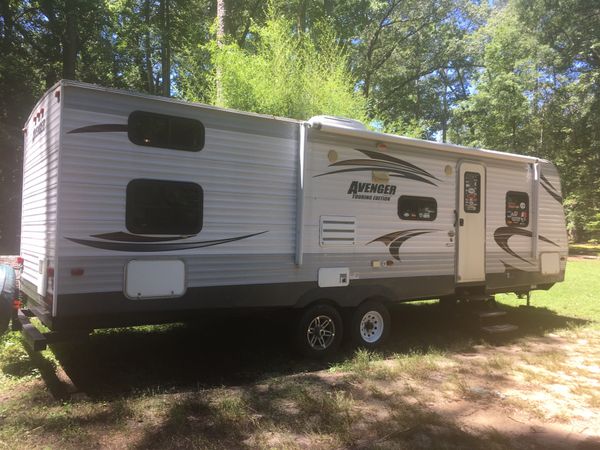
471, 206
154, 279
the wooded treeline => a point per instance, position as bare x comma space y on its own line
519, 75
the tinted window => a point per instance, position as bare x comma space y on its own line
472, 193
158, 130
417, 208
517, 209
164, 207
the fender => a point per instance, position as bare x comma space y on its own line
346, 297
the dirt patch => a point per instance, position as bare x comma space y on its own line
539, 392
434, 385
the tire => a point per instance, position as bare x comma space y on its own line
371, 324
319, 331
7, 295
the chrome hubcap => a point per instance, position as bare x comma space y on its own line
371, 327
320, 332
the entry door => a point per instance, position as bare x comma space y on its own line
470, 265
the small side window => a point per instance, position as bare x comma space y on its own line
472, 192
417, 208
159, 130
163, 207
517, 209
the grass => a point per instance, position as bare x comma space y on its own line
578, 296
167, 387
584, 249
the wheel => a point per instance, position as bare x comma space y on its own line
7, 294
371, 324
319, 331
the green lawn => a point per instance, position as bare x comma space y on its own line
578, 296
584, 249
436, 382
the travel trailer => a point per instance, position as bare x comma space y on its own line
140, 209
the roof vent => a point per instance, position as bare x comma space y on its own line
338, 122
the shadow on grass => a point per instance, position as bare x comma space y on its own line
308, 412
237, 351
584, 250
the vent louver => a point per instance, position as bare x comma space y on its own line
337, 231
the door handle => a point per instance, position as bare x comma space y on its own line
461, 222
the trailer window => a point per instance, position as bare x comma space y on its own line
159, 130
417, 208
517, 209
163, 207
472, 192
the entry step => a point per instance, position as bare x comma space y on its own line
499, 329
490, 314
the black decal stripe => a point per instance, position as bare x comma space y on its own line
375, 164
395, 240
548, 182
126, 237
552, 193
396, 174
503, 234
376, 155
141, 247
550, 189
387, 239
101, 128
395, 247
509, 268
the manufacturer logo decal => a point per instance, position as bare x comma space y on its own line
38, 129
371, 191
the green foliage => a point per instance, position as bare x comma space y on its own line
289, 75
516, 75
499, 114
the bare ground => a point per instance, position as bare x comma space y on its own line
436, 385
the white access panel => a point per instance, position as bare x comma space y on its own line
471, 223
550, 263
334, 276
154, 279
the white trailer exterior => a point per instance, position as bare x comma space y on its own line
285, 213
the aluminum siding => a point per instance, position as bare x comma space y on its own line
247, 170
40, 183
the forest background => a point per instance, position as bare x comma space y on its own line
520, 76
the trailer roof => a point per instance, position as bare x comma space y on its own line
95, 87
330, 125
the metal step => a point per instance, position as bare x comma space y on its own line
32, 337
499, 329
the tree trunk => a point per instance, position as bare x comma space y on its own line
302, 16
221, 15
148, 49
328, 6
444, 106
165, 49
7, 22
70, 42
